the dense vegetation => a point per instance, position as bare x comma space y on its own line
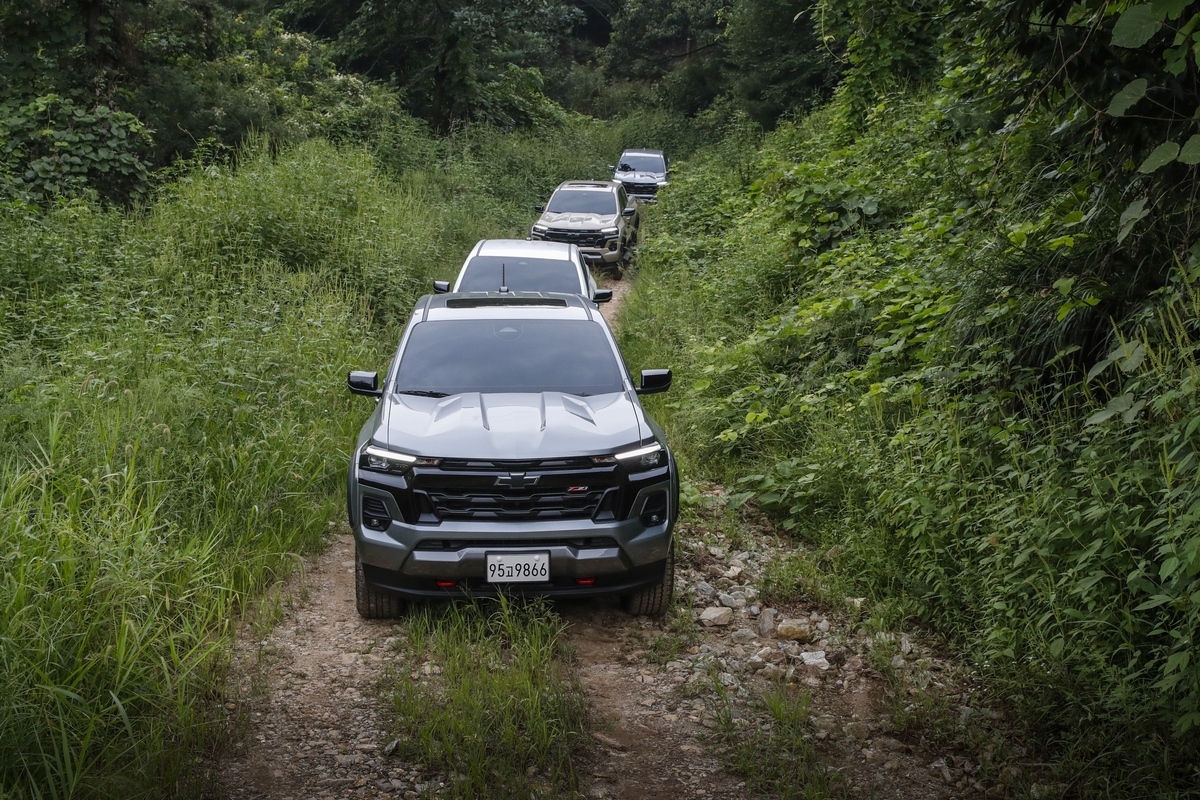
927, 273
948, 333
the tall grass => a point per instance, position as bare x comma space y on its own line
484, 697
173, 424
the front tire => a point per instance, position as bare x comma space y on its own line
653, 601
372, 603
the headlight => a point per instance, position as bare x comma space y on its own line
662, 183
380, 460
540, 228
649, 456
609, 231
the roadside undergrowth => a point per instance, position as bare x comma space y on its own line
486, 701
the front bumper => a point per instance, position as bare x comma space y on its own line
410, 559
608, 251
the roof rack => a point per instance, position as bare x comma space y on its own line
501, 300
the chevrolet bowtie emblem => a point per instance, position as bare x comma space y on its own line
517, 480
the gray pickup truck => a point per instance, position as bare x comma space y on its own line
596, 216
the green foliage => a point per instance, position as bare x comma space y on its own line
890, 342
487, 700
51, 148
455, 62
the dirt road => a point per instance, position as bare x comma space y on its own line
313, 721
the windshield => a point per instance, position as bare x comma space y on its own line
448, 357
641, 163
520, 275
583, 201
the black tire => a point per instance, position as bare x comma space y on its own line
653, 601
371, 603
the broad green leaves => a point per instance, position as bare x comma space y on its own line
1190, 153
1136, 26
1132, 214
1161, 156
1125, 98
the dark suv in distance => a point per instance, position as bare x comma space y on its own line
642, 173
508, 451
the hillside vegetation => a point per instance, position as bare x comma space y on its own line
949, 337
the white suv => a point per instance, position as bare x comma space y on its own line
515, 265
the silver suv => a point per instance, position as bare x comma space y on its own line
642, 172
519, 265
508, 452
596, 216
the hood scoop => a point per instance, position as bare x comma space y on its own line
573, 405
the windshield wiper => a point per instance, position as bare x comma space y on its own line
423, 393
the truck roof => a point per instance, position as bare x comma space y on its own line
507, 305
515, 248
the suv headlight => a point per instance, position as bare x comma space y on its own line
662, 183
378, 459
650, 455
609, 231
541, 228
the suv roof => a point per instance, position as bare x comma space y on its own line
608, 186
557, 251
494, 305
640, 152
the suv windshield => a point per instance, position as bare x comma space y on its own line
641, 163
520, 275
448, 357
583, 201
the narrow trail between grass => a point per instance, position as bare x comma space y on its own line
671, 698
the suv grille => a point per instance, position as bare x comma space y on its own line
568, 488
463, 505
641, 188
578, 238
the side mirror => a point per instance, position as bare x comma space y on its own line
441, 287
539, 209
602, 296
655, 381
629, 211
365, 383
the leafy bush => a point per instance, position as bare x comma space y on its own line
51, 148
896, 340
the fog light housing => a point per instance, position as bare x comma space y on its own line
654, 511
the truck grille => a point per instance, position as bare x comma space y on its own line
468, 505
641, 188
569, 488
577, 238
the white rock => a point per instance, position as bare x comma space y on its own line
823, 626
716, 616
727, 600
815, 659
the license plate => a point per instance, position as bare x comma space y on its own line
518, 567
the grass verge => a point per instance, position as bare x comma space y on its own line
489, 703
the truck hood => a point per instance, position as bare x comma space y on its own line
576, 221
639, 177
510, 426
